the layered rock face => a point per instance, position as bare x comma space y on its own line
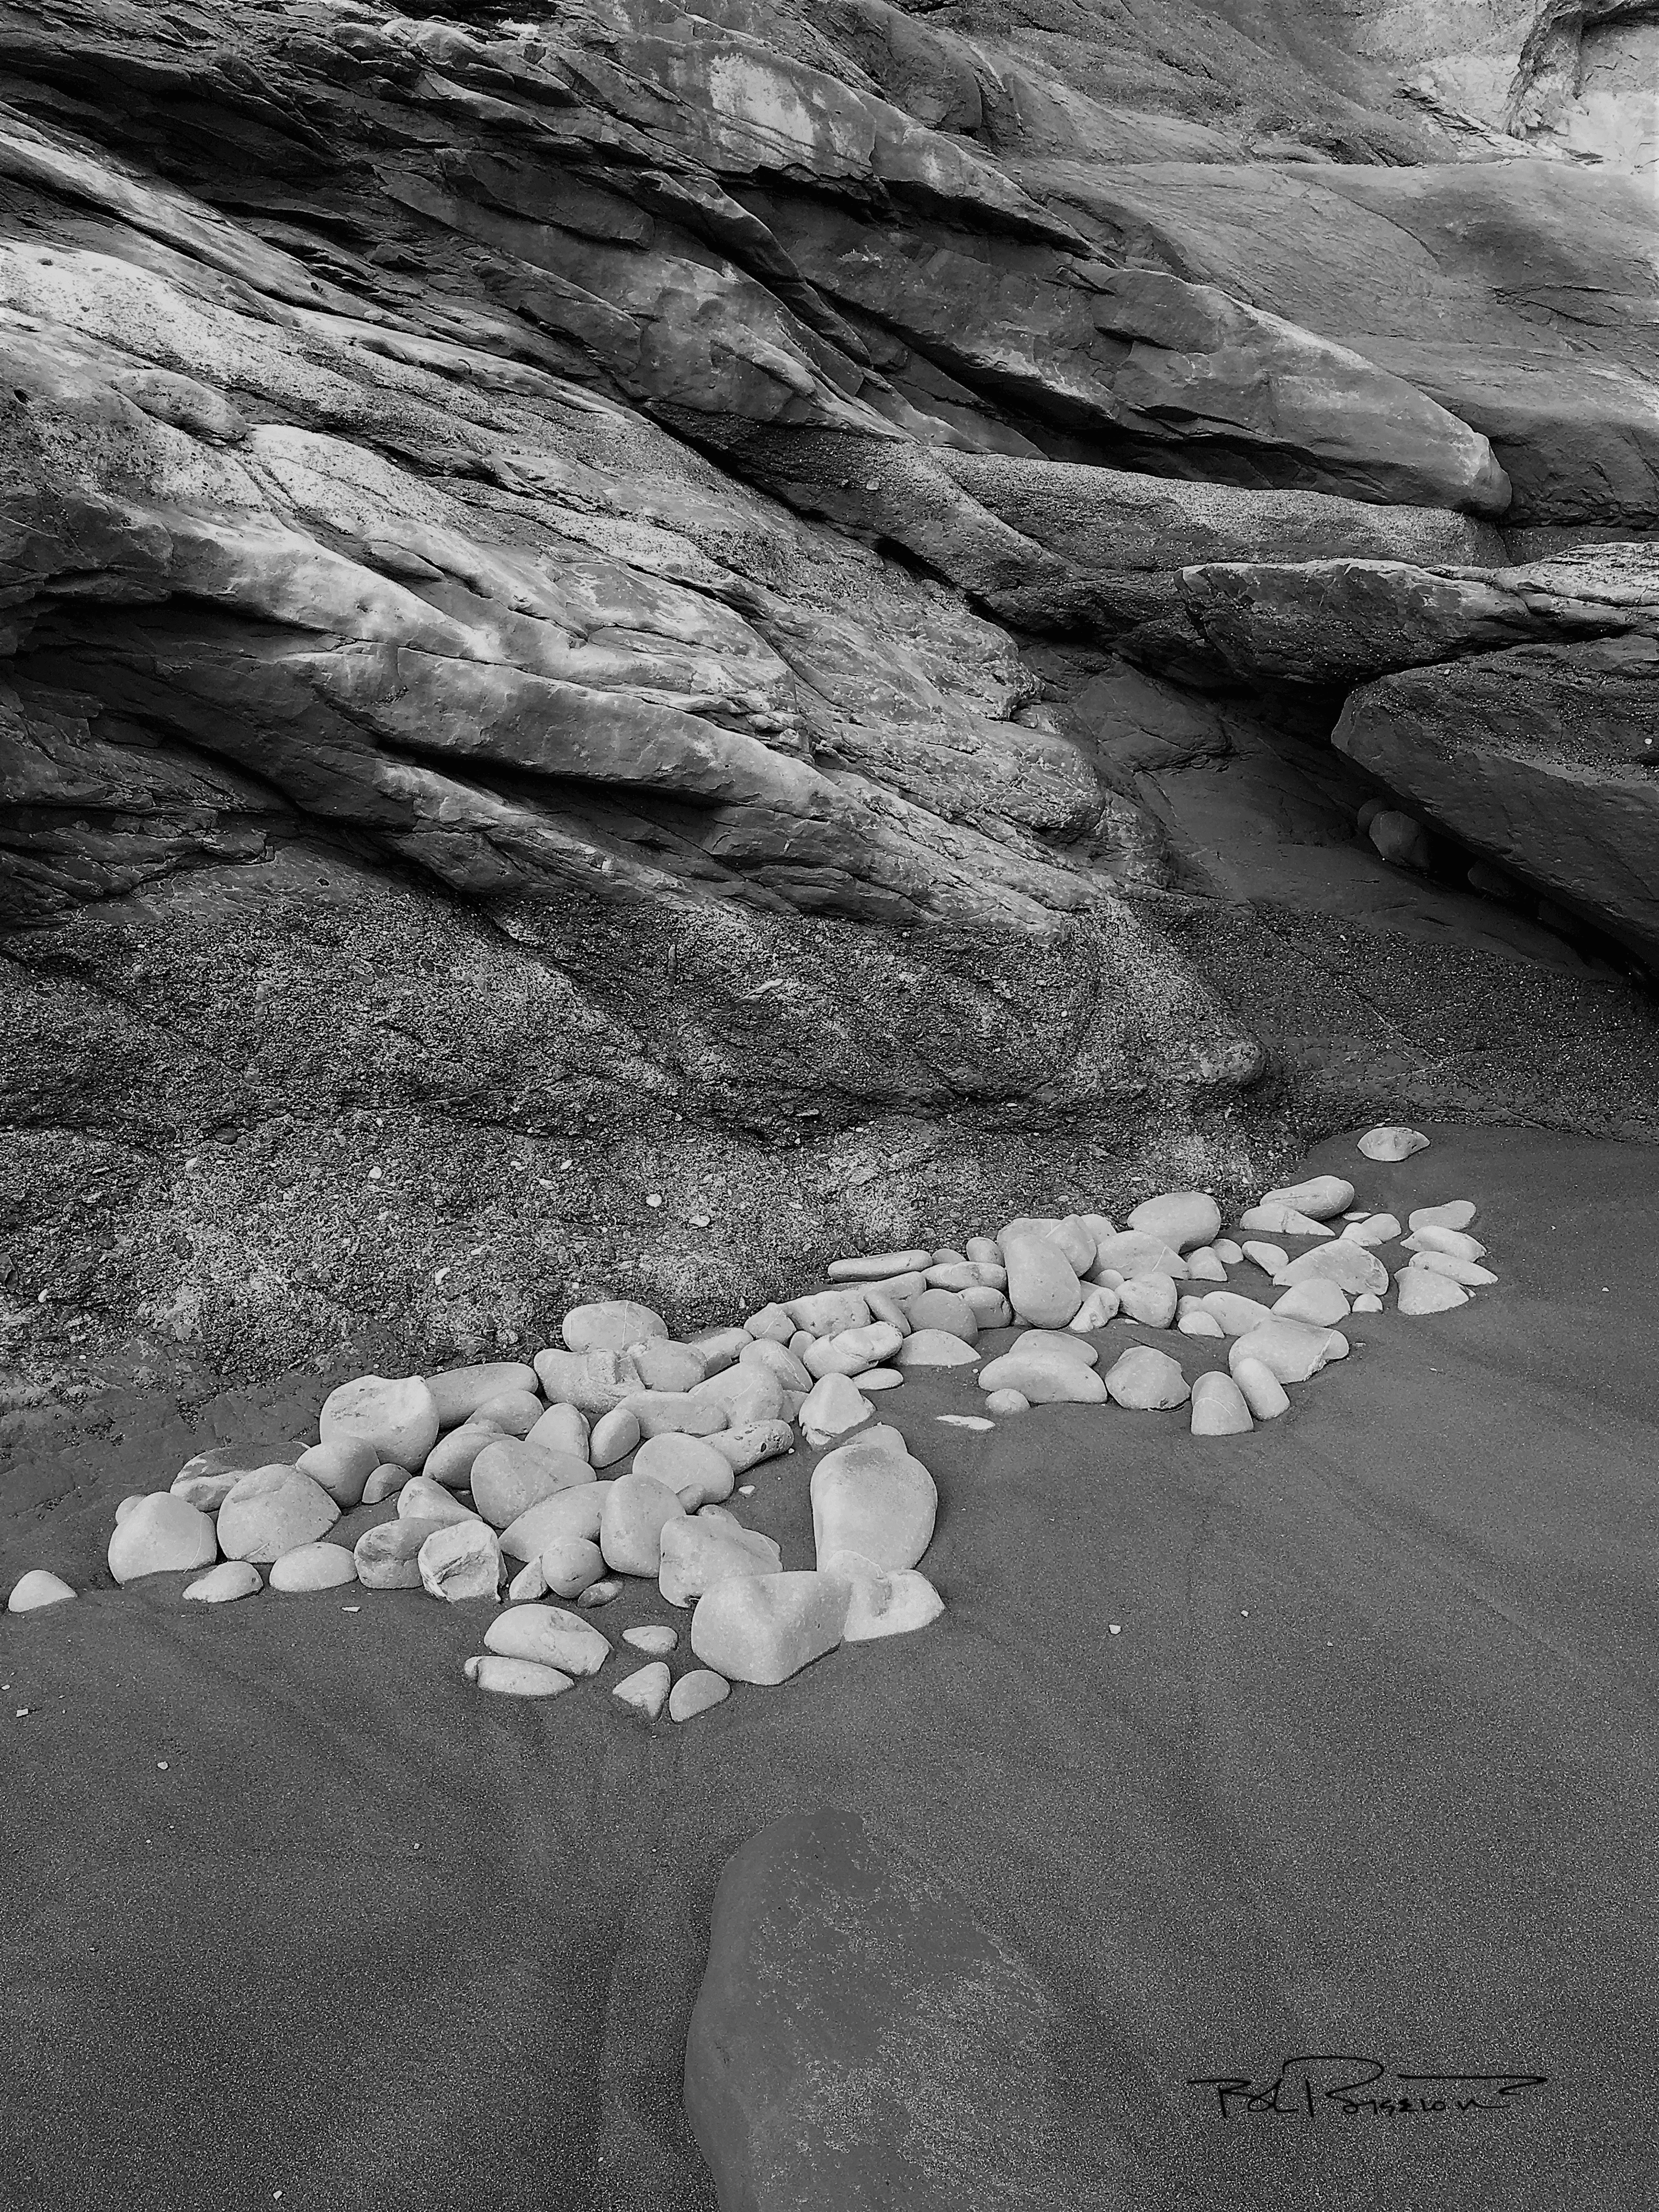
591, 598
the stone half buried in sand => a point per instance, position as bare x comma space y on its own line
515, 1678
1146, 1382
1391, 1141
831, 1407
646, 1689
765, 1628
398, 1416
1044, 1375
162, 1535
861, 2040
1219, 1407
1422, 1292
873, 1496
1291, 1350
937, 1347
550, 1637
311, 1567
35, 1590
1353, 1267
697, 1554
886, 1601
225, 1584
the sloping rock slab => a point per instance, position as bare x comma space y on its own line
860, 2041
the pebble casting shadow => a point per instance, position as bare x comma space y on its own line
1368, 1770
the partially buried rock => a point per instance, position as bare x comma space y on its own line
389, 1556
692, 1469
568, 1566
1146, 1381
646, 1689
510, 1476
935, 1347
224, 1584
208, 1480
873, 1496
550, 1635
458, 1392
1007, 1402
1043, 1376
695, 1554
1291, 1350
600, 1593
341, 1466
1181, 1218
515, 1678
1262, 1391
1219, 1407
313, 1567
1467, 1272
613, 1436
630, 1525
1042, 1284
657, 1641
1367, 1302
1455, 1241
1320, 1197
766, 1628
1318, 1302
1421, 1291
880, 1378
273, 1511
1390, 1141
611, 1325
461, 1563
1456, 1214
398, 1416
1352, 1268
699, 1691
833, 1407
35, 1590
886, 1601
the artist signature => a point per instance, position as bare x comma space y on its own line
1319, 2084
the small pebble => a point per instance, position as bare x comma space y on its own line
699, 1691
647, 1691
658, 1641
965, 1421
600, 1593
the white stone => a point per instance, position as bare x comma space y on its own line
873, 1496
133, 1499
833, 1406
1270, 1258
593, 1381
779, 1362
1238, 1314
766, 1628
1466, 1272
692, 1468
341, 1466
1205, 1266
1099, 1307
1227, 1251
1182, 1219
1145, 1381
611, 1325
563, 1429
646, 1689
1219, 1407
1071, 1237
963, 1421
854, 1350
1321, 1302
1352, 1268
1319, 1197
1262, 1391
1421, 1291
1199, 1323
458, 1392
1042, 1284
1043, 1376
1453, 1242
880, 1378
1149, 1298
224, 1583
462, 1562
531, 1582
399, 1415
630, 1525
388, 1557
1390, 1141
1368, 1301
1375, 1229
422, 1499
600, 1593
886, 1601
313, 1567
722, 1349
573, 1512
612, 1437
273, 1511
698, 1692
550, 1635
773, 1322
33, 1591
656, 1642
990, 1308
935, 1347
515, 1678
568, 1566
827, 1313
514, 1412
1456, 1214
749, 1446
450, 1460
1128, 1253
388, 1480
1291, 1350
1282, 1221
874, 1268
678, 1412
696, 1553
1008, 1401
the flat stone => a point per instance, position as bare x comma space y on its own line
873, 1496
657, 1641
1270, 1258
1007, 1402
936, 1347
399, 1415
1066, 1342
1219, 1407
833, 1407
744, 1448
1042, 1284
569, 1565
873, 1268
1146, 1381
1375, 1229
1320, 1197
341, 1466
593, 1381
611, 1325
573, 1512
699, 1691
678, 1412
1262, 1391
692, 1468
1291, 1350
1456, 1214
510, 1476
1467, 1272
225, 1584
880, 1378
886, 1601
273, 1511
515, 1678
1130, 1253
461, 1563
696, 1554
1181, 1218
1391, 1141
313, 1567
1282, 1221
1238, 1314
1043, 1377
602, 1593
388, 1557
450, 1461
646, 1689
1320, 1302
1227, 1251
965, 1421
613, 1435
1149, 1298
1420, 1291
764, 1628
827, 1313
664, 1365
1454, 1242
956, 1276
1352, 1268
550, 1635
458, 1392
388, 1480
630, 1525
420, 1499
514, 1412
33, 1591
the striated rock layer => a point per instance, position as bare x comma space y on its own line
744, 607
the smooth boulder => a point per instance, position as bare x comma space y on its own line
692, 1468
1391, 1141
886, 1601
937, 1347
399, 1415
461, 1563
631, 1523
611, 1325
458, 1392
341, 1466
550, 1637
875, 1498
1219, 1407
1043, 1285
698, 1692
696, 1554
764, 1628
1291, 1350
510, 1476
1352, 1268
273, 1511
388, 1557
646, 1689
1320, 1197
1043, 1377
831, 1407
33, 1591
1420, 1291
1180, 1219
225, 1584
1145, 1381
515, 1678
573, 1512
313, 1567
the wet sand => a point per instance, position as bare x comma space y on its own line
1370, 1770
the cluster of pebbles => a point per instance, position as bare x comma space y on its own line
616, 1453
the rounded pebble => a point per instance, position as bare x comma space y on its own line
699, 1691
38, 1588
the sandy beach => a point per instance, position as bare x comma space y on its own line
294, 1914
